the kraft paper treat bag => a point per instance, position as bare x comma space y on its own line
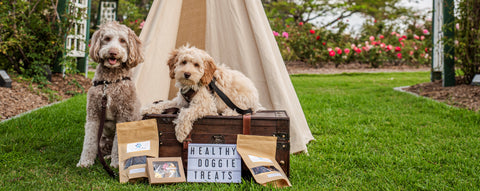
137, 141
258, 153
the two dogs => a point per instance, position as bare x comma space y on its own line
117, 50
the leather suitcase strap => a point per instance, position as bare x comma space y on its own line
187, 141
247, 119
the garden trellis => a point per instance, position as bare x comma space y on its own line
77, 38
443, 53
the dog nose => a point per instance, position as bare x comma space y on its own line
187, 74
113, 52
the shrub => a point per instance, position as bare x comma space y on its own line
32, 36
467, 53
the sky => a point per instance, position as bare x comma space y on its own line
356, 20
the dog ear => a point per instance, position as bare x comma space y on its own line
171, 62
135, 53
95, 42
208, 71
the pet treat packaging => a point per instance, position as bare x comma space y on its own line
165, 170
258, 154
137, 141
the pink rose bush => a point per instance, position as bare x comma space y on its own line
317, 46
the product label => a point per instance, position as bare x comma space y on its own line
137, 170
259, 159
139, 146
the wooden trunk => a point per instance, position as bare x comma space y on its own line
224, 130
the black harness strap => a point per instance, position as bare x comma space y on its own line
103, 82
227, 100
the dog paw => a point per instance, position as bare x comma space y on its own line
182, 131
114, 164
150, 110
85, 164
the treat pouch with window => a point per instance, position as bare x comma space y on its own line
258, 154
137, 141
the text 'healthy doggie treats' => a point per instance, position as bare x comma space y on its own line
258, 153
137, 141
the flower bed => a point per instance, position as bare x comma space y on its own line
317, 46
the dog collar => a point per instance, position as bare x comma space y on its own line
103, 82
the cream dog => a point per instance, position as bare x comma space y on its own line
193, 69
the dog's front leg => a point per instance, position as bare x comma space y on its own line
114, 162
158, 108
202, 105
90, 142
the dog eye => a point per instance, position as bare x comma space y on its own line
123, 40
197, 65
184, 62
107, 39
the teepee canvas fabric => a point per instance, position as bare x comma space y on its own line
233, 32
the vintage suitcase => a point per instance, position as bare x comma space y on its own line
224, 130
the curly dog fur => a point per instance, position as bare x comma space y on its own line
193, 68
117, 50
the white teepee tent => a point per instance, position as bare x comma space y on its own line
234, 32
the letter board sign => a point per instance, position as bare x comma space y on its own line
214, 163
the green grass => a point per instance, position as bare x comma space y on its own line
368, 137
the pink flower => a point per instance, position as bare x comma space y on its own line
398, 35
411, 52
422, 37
141, 24
339, 51
285, 34
393, 33
358, 50
372, 38
425, 31
457, 26
323, 43
389, 47
399, 55
300, 23
312, 31
346, 50
404, 37
402, 44
318, 38
381, 37
400, 39
353, 46
382, 45
275, 33
332, 53
416, 37
398, 49
426, 50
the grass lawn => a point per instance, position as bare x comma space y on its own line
368, 137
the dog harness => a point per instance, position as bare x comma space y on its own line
188, 95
